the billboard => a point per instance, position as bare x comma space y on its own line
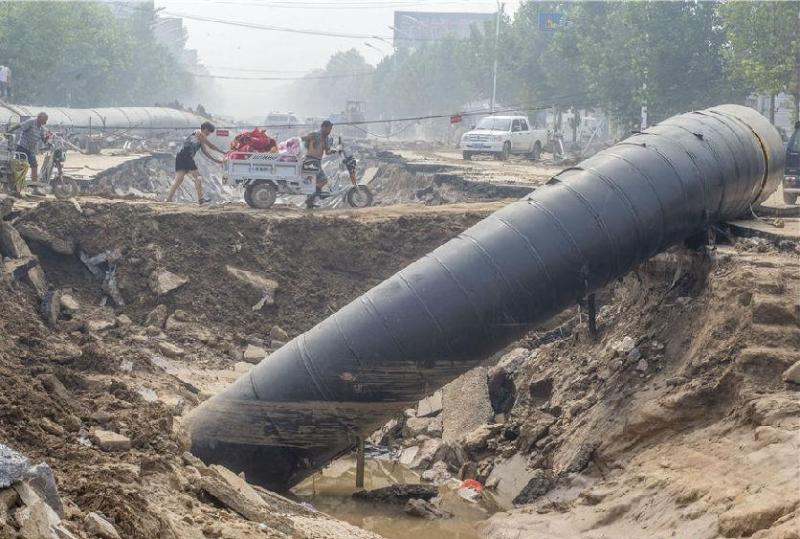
413, 28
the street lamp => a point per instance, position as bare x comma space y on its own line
496, 51
371, 46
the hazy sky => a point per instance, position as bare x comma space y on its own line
230, 50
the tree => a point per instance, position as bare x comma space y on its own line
665, 53
78, 54
764, 47
325, 91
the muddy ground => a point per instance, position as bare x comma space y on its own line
121, 368
695, 434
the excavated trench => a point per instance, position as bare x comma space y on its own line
168, 305
393, 181
127, 377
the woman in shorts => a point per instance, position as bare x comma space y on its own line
184, 161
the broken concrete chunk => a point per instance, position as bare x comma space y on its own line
466, 404
40, 487
436, 427
427, 454
416, 426
254, 354
54, 386
430, 406
233, 492
11, 243
37, 280
163, 282
397, 494
99, 325
624, 346
278, 334
110, 441
33, 232
438, 473
171, 350
424, 509
540, 484
124, 321
475, 441
513, 360
16, 469
99, 526
510, 477
258, 281
18, 267
50, 307
157, 317
792, 374
6, 205
386, 434
69, 303
37, 521
110, 287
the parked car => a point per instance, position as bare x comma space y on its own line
791, 176
501, 136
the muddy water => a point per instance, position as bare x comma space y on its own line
330, 492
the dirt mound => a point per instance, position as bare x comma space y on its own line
319, 262
98, 391
407, 183
680, 418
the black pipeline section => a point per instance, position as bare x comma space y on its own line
309, 402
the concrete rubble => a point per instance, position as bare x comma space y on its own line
110, 441
466, 404
29, 499
163, 282
260, 283
96, 524
562, 431
253, 354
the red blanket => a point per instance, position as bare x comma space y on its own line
256, 140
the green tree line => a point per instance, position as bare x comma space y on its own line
673, 56
78, 54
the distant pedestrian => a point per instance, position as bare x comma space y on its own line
184, 161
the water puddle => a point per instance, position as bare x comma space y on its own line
330, 492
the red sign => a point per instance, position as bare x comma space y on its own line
221, 132
455, 119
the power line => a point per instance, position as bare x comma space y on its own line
344, 5
271, 28
265, 71
341, 5
567, 99
306, 77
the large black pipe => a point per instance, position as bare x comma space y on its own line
309, 401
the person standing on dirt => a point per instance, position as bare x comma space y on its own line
184, 161
318, 144
32, 133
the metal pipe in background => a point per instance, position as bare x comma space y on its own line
110, 118
311, 400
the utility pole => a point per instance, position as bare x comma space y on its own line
496, 52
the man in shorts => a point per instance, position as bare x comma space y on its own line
32, 133
318, 144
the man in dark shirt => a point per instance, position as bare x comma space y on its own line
32, 133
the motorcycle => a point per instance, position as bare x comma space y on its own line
14, 169
343, 184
